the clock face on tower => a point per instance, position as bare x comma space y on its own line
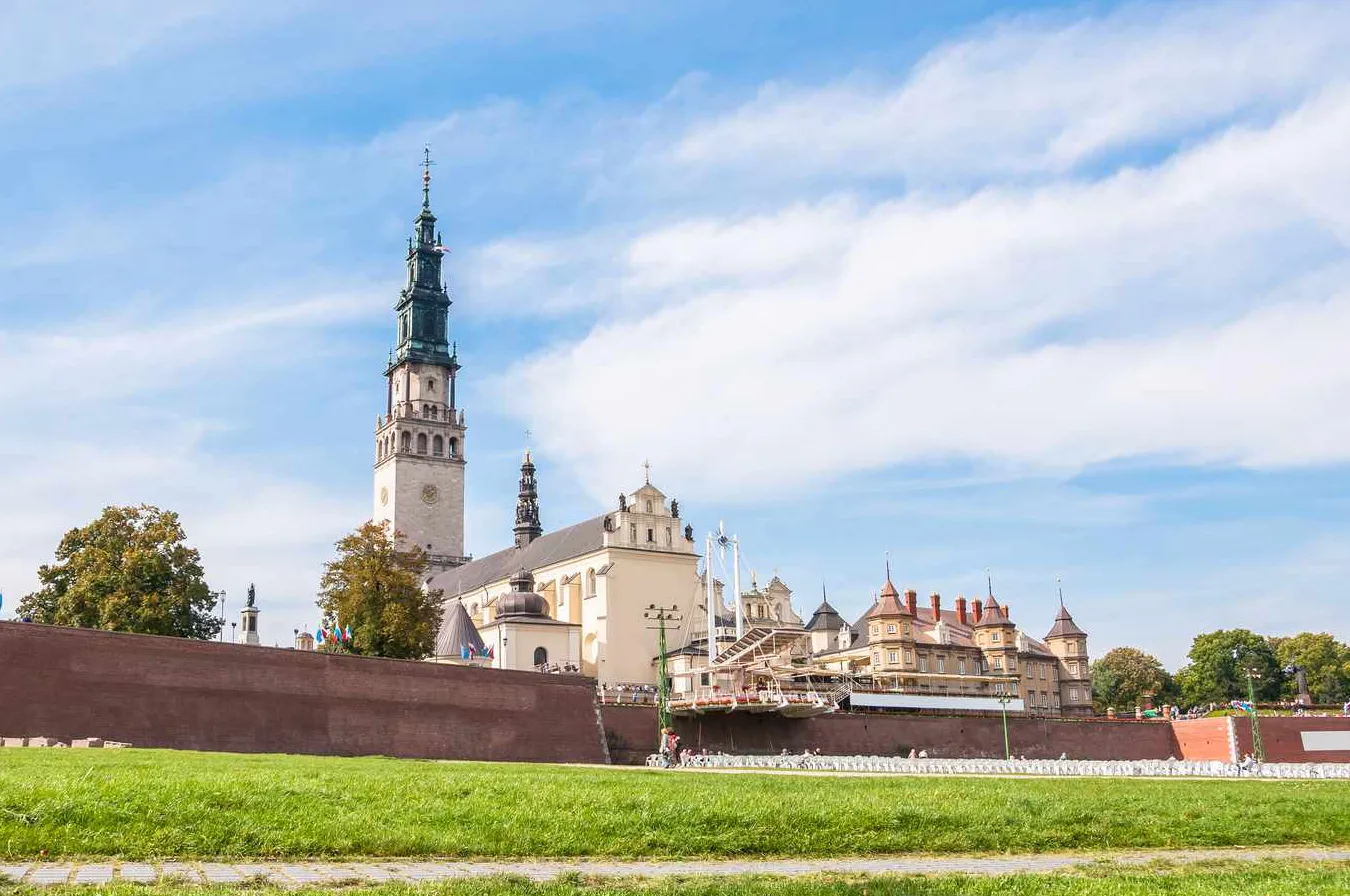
430, 494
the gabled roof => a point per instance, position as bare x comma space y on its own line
554, 547
1064, 626
457, 632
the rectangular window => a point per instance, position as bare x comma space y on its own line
994, 637
876, 659
1073, 693
890, 629
906, 629
892, 656
1073, 668
876, 630
1042, 673
1012, 664
909, 656
632, 532
942, 664
1073, 648
923, 662
961, 666
998, 664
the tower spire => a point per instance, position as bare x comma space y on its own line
527, 527
426, 177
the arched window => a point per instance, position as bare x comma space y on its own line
454, 447
540, 656
431, 384
590, 583
421, 443
407, 441
649, 506
438, 446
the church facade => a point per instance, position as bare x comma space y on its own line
602, 576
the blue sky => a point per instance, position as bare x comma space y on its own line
1059, 290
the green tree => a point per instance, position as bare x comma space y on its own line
1124, 675
1214, 676
1325, 661
375, 587
127, 571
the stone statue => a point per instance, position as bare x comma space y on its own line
688, 533
251, 594
675, 508
623, 501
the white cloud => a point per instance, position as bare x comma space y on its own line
1185, 310
1036, 95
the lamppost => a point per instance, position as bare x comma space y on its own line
1258, 748
221, 596
232, 628
660, 616
1003, 701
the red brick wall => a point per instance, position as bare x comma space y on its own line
170, 692
1282, 738
631, 733
1203, 739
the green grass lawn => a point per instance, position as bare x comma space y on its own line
160, 804
1273, 879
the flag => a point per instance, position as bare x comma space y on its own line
490, 652
349, 633
318, 635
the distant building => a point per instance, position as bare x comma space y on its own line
973, 649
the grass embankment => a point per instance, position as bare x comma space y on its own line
145, 804
1276, 879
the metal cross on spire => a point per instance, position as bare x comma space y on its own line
426, 176
1059, 584
647, 471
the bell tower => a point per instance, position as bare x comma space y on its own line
419, 439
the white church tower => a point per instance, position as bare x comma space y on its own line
419, 440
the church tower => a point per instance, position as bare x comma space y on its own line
527, 506
419, 440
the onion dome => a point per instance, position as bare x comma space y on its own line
522, 601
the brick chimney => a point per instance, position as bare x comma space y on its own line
978, 606
936, 600
961, 610
1007, 612
912, 602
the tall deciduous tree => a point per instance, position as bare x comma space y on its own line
127, 571
375, 587
1215, 676
1124, 675
1325, 661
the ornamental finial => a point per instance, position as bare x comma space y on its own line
426, 176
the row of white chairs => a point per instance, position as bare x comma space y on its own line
1130, 768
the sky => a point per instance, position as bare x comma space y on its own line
1058, 291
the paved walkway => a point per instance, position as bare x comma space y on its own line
293, 874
